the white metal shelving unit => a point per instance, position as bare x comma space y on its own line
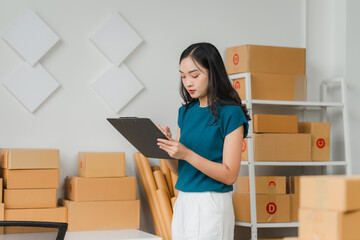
323, 105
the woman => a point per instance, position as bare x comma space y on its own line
211, 126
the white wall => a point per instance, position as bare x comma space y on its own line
73, 118
332, 50
353, 77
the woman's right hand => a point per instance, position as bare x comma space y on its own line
166, 131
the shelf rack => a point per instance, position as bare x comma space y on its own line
323, 105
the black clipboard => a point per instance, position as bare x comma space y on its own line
142, 133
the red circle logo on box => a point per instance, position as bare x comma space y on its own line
236, 59
243, 149
237, 85
320, 143
272, 183
271, 208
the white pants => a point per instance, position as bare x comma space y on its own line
203, 216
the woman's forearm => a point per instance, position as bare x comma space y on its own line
218, 171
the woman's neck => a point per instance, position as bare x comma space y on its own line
203, 102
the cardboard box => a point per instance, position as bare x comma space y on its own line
328, 225
58, 214
30, 158
339, 193
273, 87
105, 164
320, 132
269, 238
294, 185
270, 208
1, 190
265, 59
268, 123
100, 189
2, 212
34, 178
294, 207
29, 198
264, 185
104, 215
244, 150
282, 147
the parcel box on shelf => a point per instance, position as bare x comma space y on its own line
265, 59
103, 215
269, 208
30, 198
1, 190
101, 164
269, 238
294, 207
294, 190
270, 123
264, 184
282, 147
30, 158
280, 87
339, 193
328, 224
2, 212
100, 189
294, 185
58, 214
320, 132
34, 178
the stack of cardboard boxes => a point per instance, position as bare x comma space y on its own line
285, 238
276, 138
1, 197
329, 207
277, 73
272, 202
31, 177
101, 197
283, 138
277, 199
294, 193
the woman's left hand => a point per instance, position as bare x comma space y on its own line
174, 148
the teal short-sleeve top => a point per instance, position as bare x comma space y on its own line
198, 133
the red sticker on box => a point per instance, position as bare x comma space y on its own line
271, 208
80, 164
236, 59
272, 183
70, 188
237, 85
243, 149
320, 143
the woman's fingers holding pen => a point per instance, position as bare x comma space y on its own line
165, 130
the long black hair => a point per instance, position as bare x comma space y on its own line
220, 90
